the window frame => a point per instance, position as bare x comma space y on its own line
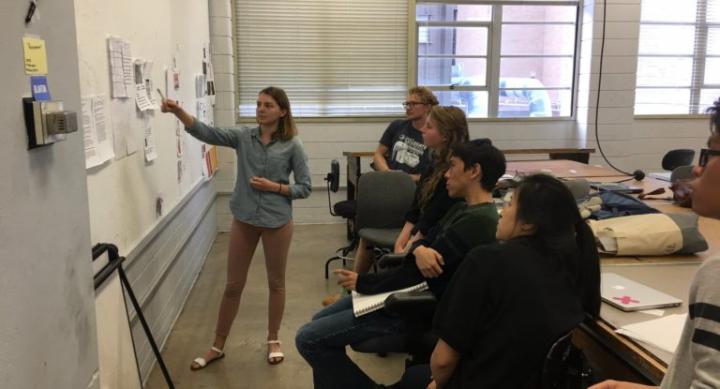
494, 54
699, 59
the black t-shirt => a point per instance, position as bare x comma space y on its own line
406, 150
439, 204
503, 309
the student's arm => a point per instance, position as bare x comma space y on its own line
401, 242
379, 158
443, 362
301, 173
211, 135
465, 233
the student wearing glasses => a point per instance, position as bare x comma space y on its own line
401, 146
696, 363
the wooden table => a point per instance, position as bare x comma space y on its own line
621, 357
563, 161
561, 169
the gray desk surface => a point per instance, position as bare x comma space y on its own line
673, 279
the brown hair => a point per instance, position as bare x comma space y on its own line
425, 94
286, 127
453, 127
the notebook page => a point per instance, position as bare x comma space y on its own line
366, 303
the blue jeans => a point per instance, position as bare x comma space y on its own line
322, 343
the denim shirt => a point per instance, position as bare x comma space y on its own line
273, 161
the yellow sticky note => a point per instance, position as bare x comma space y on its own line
35, 56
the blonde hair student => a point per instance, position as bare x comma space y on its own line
261, 205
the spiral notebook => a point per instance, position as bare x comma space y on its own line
366, 303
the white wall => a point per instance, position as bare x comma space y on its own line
47, 317
630, 143
123, 193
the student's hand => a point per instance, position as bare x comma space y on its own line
611, 384
428, 261
415, 178
432, 385
346, 278
263, 184
169, 106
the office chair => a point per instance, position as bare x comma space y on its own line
382, 202
416, 309
676, 158
565, 366
345, 209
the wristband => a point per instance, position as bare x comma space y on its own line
279, 188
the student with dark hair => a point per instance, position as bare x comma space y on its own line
696, 363
510, 301
261, 205
473, 171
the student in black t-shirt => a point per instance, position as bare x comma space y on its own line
401, 146
508, 302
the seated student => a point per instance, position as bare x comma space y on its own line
509, 302
473, 173
445, 128
696, 363
401, 146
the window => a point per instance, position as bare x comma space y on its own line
678, 57
499, 58
332, 57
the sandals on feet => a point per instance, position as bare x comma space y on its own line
201, 363
277, 356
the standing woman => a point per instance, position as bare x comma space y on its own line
261, 205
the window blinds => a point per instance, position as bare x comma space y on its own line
678, 57
332, 57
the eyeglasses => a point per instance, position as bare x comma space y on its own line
411, 104
705, 155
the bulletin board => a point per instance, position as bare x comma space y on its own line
147, 155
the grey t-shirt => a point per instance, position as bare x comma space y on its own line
696, 363
406, 150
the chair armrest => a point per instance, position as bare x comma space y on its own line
410, 303
391, 260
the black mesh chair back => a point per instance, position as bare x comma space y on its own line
675, 158
383, 199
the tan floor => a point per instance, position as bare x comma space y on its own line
245, 365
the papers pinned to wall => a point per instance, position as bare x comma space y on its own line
118, 55
150, 149
124, 141
98, 148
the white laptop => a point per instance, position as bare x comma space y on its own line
628, 295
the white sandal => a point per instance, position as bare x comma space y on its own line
277, 356
201, 362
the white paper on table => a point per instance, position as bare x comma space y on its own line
89, 136
127, 63
115, 54
104, 147
663, 333
150, 150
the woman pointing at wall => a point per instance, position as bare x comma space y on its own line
261, 205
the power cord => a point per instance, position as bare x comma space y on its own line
638, 174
